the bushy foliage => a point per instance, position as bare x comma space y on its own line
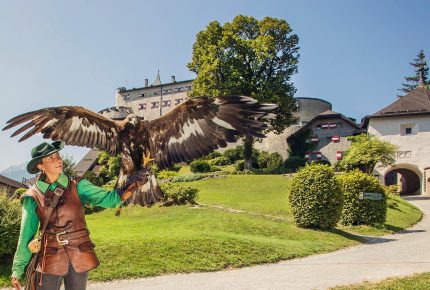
200, 166
194, 177
164, 174
212, 155
110, 166
219, 161
315, 197
215, 168
68, 165
239, 165
10, 221
294, 162
358, 211
18, 192
366, 151
234, 154
275, 161
93, 178
263, 159
178, 194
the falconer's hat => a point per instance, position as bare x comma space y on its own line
41, 151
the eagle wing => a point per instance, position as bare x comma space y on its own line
201, 125
73, 125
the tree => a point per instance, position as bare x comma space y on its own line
412, 81
248, 57
110, 166
366, 151
68, 165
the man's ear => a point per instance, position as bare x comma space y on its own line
40, 166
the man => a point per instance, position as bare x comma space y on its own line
66, 250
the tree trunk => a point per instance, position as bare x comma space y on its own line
247, 152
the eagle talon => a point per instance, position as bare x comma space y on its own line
147, 159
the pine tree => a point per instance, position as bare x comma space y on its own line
412, 81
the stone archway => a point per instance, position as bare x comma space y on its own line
406, 176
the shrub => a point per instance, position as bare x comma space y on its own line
10, 221
275, 161
239, 165
194, 177
219, 161
200, 166
93, 178
178, 194
212, 155
263, 159
358, 211
234, 154
164, 174
215, 168
18, 192
294, 162
315, 197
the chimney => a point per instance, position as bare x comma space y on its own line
146, 83
173, 79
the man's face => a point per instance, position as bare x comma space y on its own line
52, 164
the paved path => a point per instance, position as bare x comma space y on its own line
401, 254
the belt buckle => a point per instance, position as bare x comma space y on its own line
61, 242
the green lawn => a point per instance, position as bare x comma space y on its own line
416, 282
146, 242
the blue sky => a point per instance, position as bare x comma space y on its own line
354, 54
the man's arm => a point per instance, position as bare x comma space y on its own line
29, 224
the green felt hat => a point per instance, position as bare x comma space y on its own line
40, 151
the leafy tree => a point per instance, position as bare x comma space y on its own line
110, 166
68, 165
412, 81
366, 151
248, 57
299, 145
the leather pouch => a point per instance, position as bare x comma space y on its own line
87, 246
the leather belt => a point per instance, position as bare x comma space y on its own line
64, 237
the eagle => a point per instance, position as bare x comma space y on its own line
191, 130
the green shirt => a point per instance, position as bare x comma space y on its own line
88, 193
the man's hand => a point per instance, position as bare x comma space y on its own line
15, 283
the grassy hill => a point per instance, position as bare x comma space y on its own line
244, 220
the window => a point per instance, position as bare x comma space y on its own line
155, 93
154, 105
166, 103
126, 97
178, 101
408, 129
142, 107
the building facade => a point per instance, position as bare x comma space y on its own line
406, 124
327, 135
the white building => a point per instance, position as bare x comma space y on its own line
405, 123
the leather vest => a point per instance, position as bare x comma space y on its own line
66, 239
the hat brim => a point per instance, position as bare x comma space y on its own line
32, 165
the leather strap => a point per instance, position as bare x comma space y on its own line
58, 192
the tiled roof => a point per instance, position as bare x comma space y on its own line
10, 182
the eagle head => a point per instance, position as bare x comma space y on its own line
133, 119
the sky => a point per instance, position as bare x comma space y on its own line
353, 54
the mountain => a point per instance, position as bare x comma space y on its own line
17, 172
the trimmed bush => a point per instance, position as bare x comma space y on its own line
178, 194
219, 161
10, 222
315, 197
200, 166
294, 163
275, 161
358, 211
263, 159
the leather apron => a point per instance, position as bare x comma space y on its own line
66, 239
